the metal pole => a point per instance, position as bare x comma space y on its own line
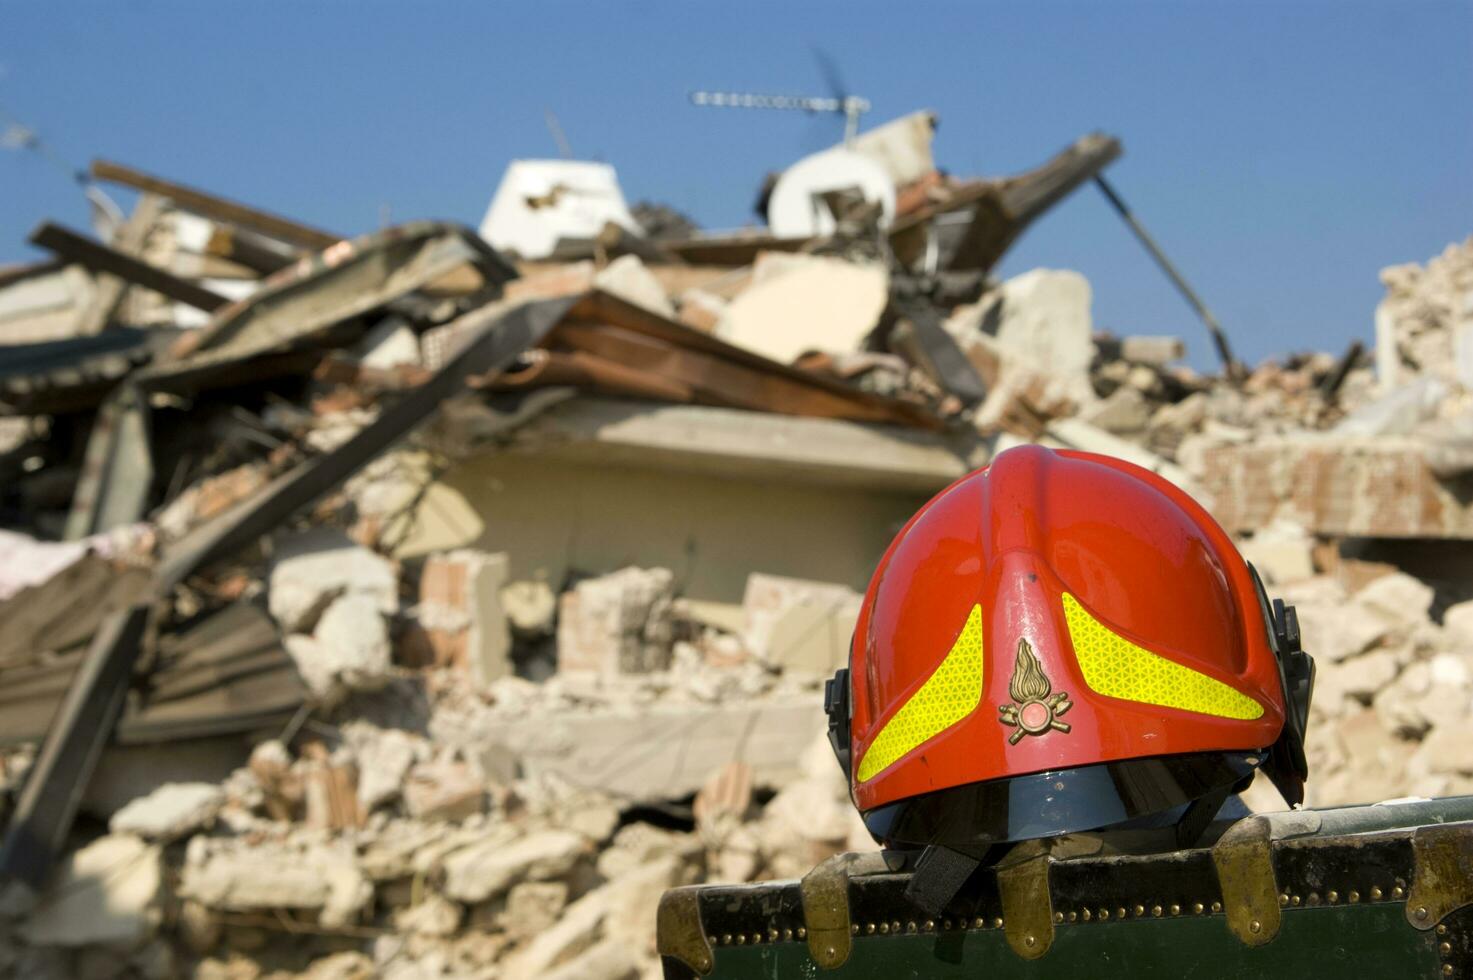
1219, 339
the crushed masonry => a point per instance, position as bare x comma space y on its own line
460, 593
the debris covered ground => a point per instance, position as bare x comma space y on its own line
426, 603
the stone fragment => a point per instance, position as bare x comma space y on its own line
531, 608
623, 908
311, 569
107, 893
169, 812
1446, 747
1366, 676
1156, 351
247, 877
1282, 552
593, 816
461, 614
343, 965
617, 623
769, 598
606, 960
384, 757
434, 916
627, 278
481, 871
1458, 621
1036, 325
443, 789
1400, 600
532, 907
576, 930
349, 651
1339, 630
632, 900
801, 303
810, 810
638, 844
1414, 702
1124, 411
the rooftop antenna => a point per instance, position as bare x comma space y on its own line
840, 102
556, 129
107, 217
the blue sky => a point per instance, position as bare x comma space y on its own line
1282, 152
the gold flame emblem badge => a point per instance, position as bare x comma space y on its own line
1037, 711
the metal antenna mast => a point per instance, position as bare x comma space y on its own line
851, 106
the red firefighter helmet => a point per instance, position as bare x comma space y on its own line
1062, 642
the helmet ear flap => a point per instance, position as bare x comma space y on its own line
836, 704
1286, 764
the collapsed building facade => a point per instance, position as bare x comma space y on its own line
410, 606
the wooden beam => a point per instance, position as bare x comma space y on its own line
99, 258
211, 206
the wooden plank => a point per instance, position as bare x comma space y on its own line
128, 240
211, 206
100, 258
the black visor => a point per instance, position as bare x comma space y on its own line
1063, 801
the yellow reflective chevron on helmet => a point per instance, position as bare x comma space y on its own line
1117, 668
952, 692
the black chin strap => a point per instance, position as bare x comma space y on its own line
1199, 814
939, 875
941, 872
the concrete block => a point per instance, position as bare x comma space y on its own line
805, 637
169, 812
108, 893
1124, 410
461, 613
531, 608
349, 651
1400, 600
248, 876
1036, 325
813, 637
311, 569
812, 303
1156, 351
443, 789
655, 751
627, 278
1458, 621
1381, 487
484, 870
1282, 552
617, 623
533, 907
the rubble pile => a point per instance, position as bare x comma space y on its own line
435, 599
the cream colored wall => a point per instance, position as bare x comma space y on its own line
553, 516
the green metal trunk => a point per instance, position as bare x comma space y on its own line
1376, 891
